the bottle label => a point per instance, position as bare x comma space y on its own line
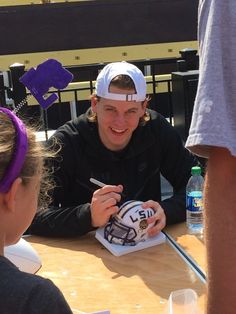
195, 208
194, 201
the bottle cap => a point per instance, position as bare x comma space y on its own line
195, 170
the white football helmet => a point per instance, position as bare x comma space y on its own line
129, 226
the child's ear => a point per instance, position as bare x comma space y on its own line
11, 195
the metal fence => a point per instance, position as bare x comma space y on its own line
75, 99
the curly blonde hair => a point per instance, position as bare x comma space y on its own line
34, 163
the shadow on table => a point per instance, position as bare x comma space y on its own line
160, 268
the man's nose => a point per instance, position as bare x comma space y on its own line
120, 118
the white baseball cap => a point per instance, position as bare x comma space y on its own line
110, 71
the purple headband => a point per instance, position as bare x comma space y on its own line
19, 155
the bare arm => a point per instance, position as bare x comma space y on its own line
220, 214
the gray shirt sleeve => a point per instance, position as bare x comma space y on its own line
214, 114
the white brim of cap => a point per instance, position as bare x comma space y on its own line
122, 97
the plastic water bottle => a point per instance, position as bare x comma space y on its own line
194, 201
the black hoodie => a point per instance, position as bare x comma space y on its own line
154, 149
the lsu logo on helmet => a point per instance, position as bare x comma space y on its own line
129, 226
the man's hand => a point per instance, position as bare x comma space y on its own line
104, 204
159, 218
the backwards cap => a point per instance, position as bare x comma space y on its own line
110, 71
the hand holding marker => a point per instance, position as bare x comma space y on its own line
101, 185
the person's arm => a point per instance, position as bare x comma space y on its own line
62, 221
74, 211
68, 219
220, 230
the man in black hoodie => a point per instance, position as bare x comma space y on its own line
120, 142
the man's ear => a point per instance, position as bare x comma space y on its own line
144, 107
94, 102
145, 104
11, 196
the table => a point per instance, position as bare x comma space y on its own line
192, 245
92, 279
